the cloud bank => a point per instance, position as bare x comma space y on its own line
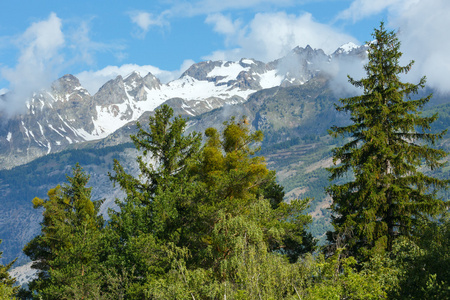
269, 36
45, 52
423, 31
93, 80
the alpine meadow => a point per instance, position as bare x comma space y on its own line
247, 198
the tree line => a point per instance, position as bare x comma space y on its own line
208, 221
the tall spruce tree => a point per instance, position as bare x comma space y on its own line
389, 143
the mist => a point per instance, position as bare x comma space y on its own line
37, 66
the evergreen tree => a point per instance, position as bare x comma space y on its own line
135, 241
389, 142
7, 291
166, 153
66, 251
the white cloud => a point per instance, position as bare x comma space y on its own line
38, 63
223, 24
145, 20
270, 36
45, 52
340, 70
423, 29
93, 80
360, 9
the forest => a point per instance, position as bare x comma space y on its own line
206, 218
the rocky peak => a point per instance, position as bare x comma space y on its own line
66, 84
66, 88
112, 92
309, 53
254, 65
201, 70
300, 65
350, 49
152, 82
132, 78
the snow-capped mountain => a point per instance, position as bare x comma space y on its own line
67, 114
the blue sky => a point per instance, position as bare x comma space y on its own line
98, 40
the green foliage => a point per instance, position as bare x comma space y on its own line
424, 263
196, 223
388, 195
245, 269
148, 215
7, 291
337, 278
66, 251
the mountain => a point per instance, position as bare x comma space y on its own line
66, 115
289, 99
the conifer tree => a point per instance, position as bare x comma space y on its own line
66, 251
138, 234
165, 154
389, 142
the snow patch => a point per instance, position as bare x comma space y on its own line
248, 61
41, 129
270, 79
25, 129
347, 48
230, 70
52, 128
9, 136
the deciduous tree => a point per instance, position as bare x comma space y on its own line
196, 223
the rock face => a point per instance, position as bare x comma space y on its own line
302, 64
67, 115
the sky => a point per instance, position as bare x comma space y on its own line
41, 41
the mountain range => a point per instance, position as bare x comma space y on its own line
290, 99
55, 119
